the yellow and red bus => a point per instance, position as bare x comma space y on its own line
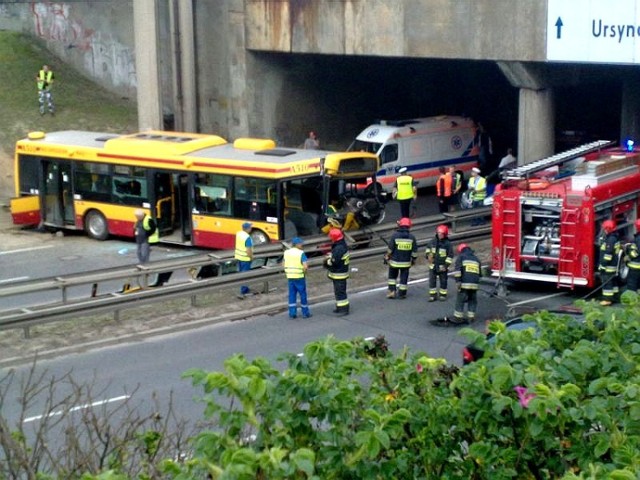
198, 187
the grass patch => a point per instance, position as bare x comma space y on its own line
80, 103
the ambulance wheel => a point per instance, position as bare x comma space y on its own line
259, 237
96, 225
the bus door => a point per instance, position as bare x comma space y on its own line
163, 195
183, 205
58, 209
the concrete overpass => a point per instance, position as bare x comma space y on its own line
278, 68
511, 33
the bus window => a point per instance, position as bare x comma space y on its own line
28, 168
212, 194
93, 181
129, 185
303, 205
253, 198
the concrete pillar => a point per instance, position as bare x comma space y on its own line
145, 19
630, 121
183, 65
536, 125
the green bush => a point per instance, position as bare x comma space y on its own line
559, 401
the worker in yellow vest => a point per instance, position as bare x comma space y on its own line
405, 192
244, 254
146, 232
44, 80
478, 192
295, 268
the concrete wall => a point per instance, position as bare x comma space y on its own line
455, 29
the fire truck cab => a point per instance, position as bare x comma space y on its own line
547, 215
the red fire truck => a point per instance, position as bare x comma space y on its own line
547, 215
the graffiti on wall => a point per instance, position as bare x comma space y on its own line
104, 58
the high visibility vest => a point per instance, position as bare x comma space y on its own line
293, 267
155, 236
457, 184
443, 185
479, 187
633, 254
44, 78
242, 254
404, 184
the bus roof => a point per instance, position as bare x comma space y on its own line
179, 151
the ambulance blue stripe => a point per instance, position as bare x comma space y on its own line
439, 163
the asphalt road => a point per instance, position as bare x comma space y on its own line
155, 364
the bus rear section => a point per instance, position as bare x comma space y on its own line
422, 145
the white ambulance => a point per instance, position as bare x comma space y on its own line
420, 144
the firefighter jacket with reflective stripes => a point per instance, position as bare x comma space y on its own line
609, 251
633, 253
467, 270
293, 263
443, 185
404, 184
439, 253
338, 262
403, 249
242, 251
478, 185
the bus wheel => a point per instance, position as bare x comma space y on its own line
259, 237
96, 225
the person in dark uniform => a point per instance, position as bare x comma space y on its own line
401, 255
609, 249
633, 261
337, 262
439, 255
467, 275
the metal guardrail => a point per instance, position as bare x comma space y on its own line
66, 308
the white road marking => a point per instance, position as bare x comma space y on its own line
14, 279
21, 250
79, 407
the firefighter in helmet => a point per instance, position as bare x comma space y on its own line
609, 249
439, 255
337, 263
632, 251
467, 274
401, 254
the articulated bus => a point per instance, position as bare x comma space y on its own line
198, 187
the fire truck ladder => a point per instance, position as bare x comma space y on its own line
569, 220
524, 171
510, 228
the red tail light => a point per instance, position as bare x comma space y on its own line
467, 356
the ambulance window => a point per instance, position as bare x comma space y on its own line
389, 153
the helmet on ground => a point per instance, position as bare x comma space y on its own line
637, 224
462, 246
335, 234
609, 226
443, 229
404, 222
